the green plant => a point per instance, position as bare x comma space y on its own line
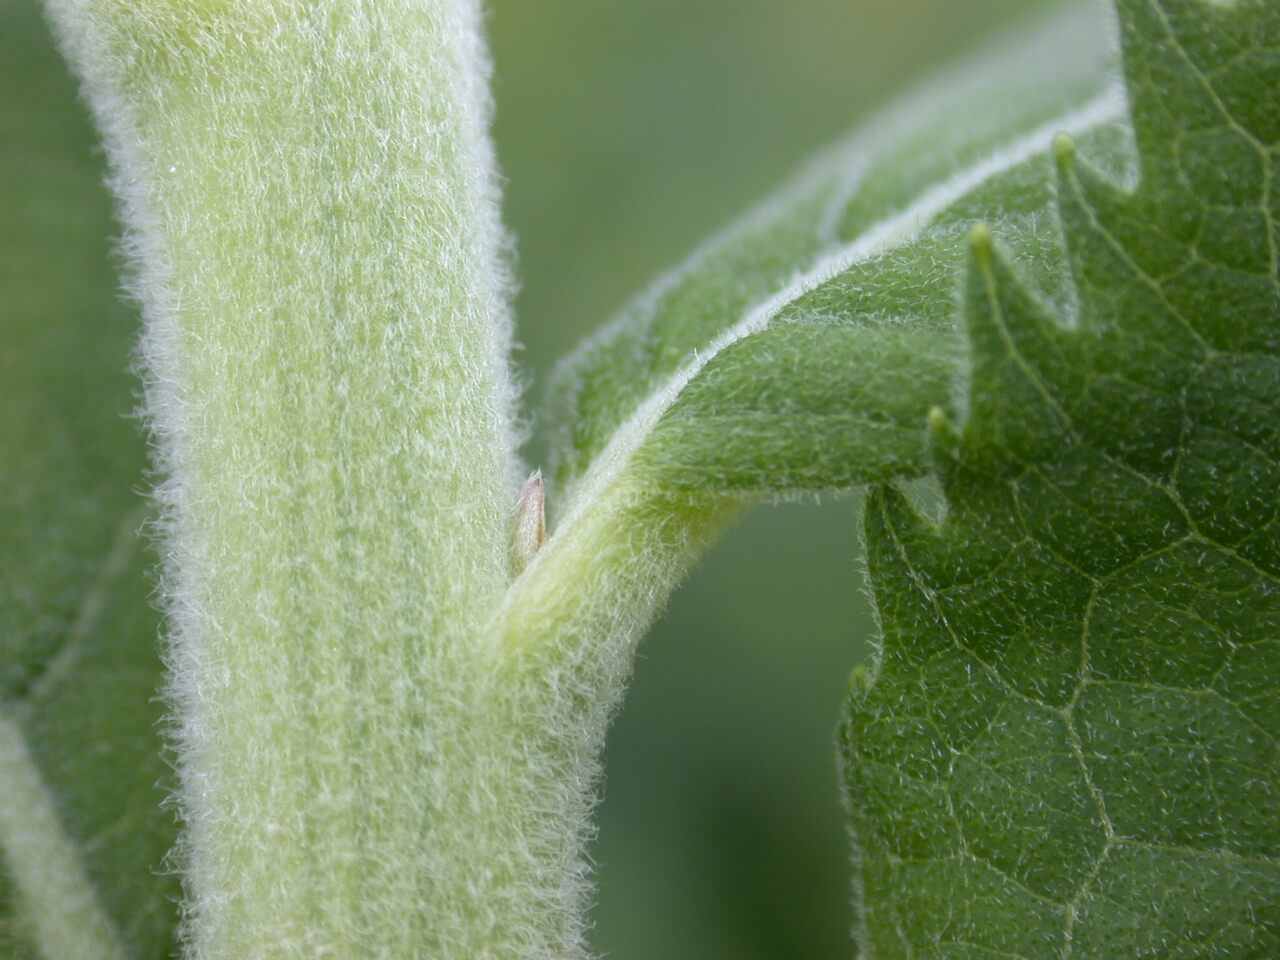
388, 696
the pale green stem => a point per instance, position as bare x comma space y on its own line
387, 748
310, 204
565, 640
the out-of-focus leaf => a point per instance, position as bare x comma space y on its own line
82, 833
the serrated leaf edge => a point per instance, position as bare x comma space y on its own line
880, 238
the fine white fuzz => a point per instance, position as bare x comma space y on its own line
311, 214
389, 695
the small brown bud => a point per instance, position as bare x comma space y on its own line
531, 523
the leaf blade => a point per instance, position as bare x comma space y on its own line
1066, 712
853, 207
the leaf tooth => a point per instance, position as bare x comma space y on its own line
946, 450
1124, 251
910, 559
900, 538
1015, 388
1090, 208
945, 442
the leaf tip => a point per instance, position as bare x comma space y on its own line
944, 439
860, 682
1064, 151
981, 244
938, 420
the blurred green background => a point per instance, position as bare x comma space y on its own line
628, 132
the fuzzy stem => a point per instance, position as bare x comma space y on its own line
310, 208
564, 641
388, 748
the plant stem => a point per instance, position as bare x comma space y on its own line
310, 206
387, 748
565, 639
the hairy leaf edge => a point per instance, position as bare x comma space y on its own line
884, 236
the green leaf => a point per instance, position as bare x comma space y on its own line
1067, 746
801, 349
82, 833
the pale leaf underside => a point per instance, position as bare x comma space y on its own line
800, 349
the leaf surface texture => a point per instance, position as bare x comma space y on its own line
800, 349
1067, 744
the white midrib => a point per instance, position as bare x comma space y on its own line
55, 897
57, 901
879, 238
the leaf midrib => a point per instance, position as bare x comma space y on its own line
46, 865
887, 234
60, 903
